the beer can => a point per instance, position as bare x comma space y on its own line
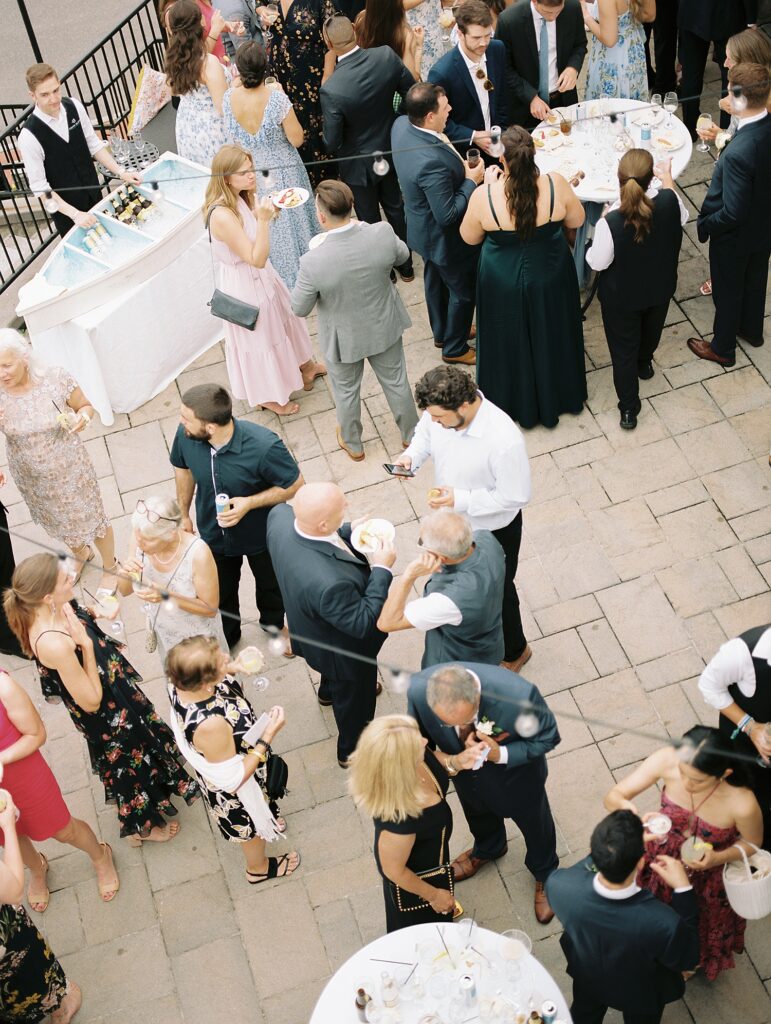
549, 1012
222, 503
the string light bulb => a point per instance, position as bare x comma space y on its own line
496, 146
527, 724
267, 179
686, 750
738, 99
168, 601
277, 644
380, 165
157, 192
49, 203
396, 680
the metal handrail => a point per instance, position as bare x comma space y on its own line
104, 81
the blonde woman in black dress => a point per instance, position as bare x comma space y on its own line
398, 781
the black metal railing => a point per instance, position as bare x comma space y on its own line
104, 82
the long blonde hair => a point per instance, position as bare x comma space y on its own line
226, 161
635, 172
636, 9
32, 580
383, 778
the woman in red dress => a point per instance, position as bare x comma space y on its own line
43, 813
705, 797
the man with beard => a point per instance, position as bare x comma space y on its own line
216, 457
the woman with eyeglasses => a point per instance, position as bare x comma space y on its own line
130, 748
165, 559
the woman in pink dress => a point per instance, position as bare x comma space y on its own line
267, 364
43, 813
704, 795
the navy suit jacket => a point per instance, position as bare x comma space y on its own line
329, 594
451, 73
503, 692
436, 193
737, 207
628, 953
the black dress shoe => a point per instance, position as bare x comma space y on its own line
406, 273
628, 419
325, 702
645, 371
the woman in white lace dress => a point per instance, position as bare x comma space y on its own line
166, 559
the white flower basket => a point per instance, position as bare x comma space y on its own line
748, 892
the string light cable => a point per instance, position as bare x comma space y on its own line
380, 164
396, 679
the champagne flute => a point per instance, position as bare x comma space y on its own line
670, 105
446, 20
270, 15
139, 142
704, 122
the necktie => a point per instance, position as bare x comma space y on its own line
445, 139
543, 63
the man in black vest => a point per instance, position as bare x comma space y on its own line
625, 948
737, 682
357, 103
58, 145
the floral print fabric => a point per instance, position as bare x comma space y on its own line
132, 750
426, 16
32, 982
50, 466
618, 72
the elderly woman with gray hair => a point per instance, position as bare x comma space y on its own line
42, 414
460, 610
167, 560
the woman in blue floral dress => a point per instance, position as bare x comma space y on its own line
262, 121
425, 14
617, 68
131, 749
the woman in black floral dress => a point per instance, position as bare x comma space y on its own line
32, 982
131, 749
213, 717
297, 55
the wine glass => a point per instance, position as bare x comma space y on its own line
270, 15
670, 105
446, 20
250, 660
704, 122
139, 143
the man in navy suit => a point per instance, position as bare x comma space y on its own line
335, 596
492, 730
473, 75
736, 218
437, 184
625, 948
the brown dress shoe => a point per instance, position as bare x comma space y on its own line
516, 665
541, 906
465, 866
703, 350
356, 456
378, 689
467, 359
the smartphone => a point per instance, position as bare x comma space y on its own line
251, 736
393, 470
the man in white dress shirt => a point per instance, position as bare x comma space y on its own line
481, 468
58, 145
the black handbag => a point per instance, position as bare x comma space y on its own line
276, 777
441, 878
228, 307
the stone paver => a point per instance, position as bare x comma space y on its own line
642, 552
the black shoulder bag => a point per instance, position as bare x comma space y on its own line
228, 307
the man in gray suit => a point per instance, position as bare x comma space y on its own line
361, 315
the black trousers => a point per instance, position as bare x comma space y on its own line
385, 192
450, 296
353, 704
633, 336
510, 539
693, 56
587, 1009
270, 603
665, 46
524, 800
739, 281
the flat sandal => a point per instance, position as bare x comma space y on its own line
274, 863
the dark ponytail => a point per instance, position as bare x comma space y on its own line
521, 185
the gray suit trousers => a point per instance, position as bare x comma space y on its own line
391, 371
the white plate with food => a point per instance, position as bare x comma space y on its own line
547, 138
372, 535
288, 198
667, 141
648, 115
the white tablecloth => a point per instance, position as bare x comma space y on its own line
336, 1003
589, 147
129, 349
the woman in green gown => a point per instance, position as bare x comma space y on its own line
530, 344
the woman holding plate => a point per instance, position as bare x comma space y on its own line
267, 364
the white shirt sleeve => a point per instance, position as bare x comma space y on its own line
511, 471
93, 141
420, 446
731, 664
434, 610
503, 755
32, 156
601, 252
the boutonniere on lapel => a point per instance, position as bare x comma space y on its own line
487, 727
722, 139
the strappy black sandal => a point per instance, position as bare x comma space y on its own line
274, 863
